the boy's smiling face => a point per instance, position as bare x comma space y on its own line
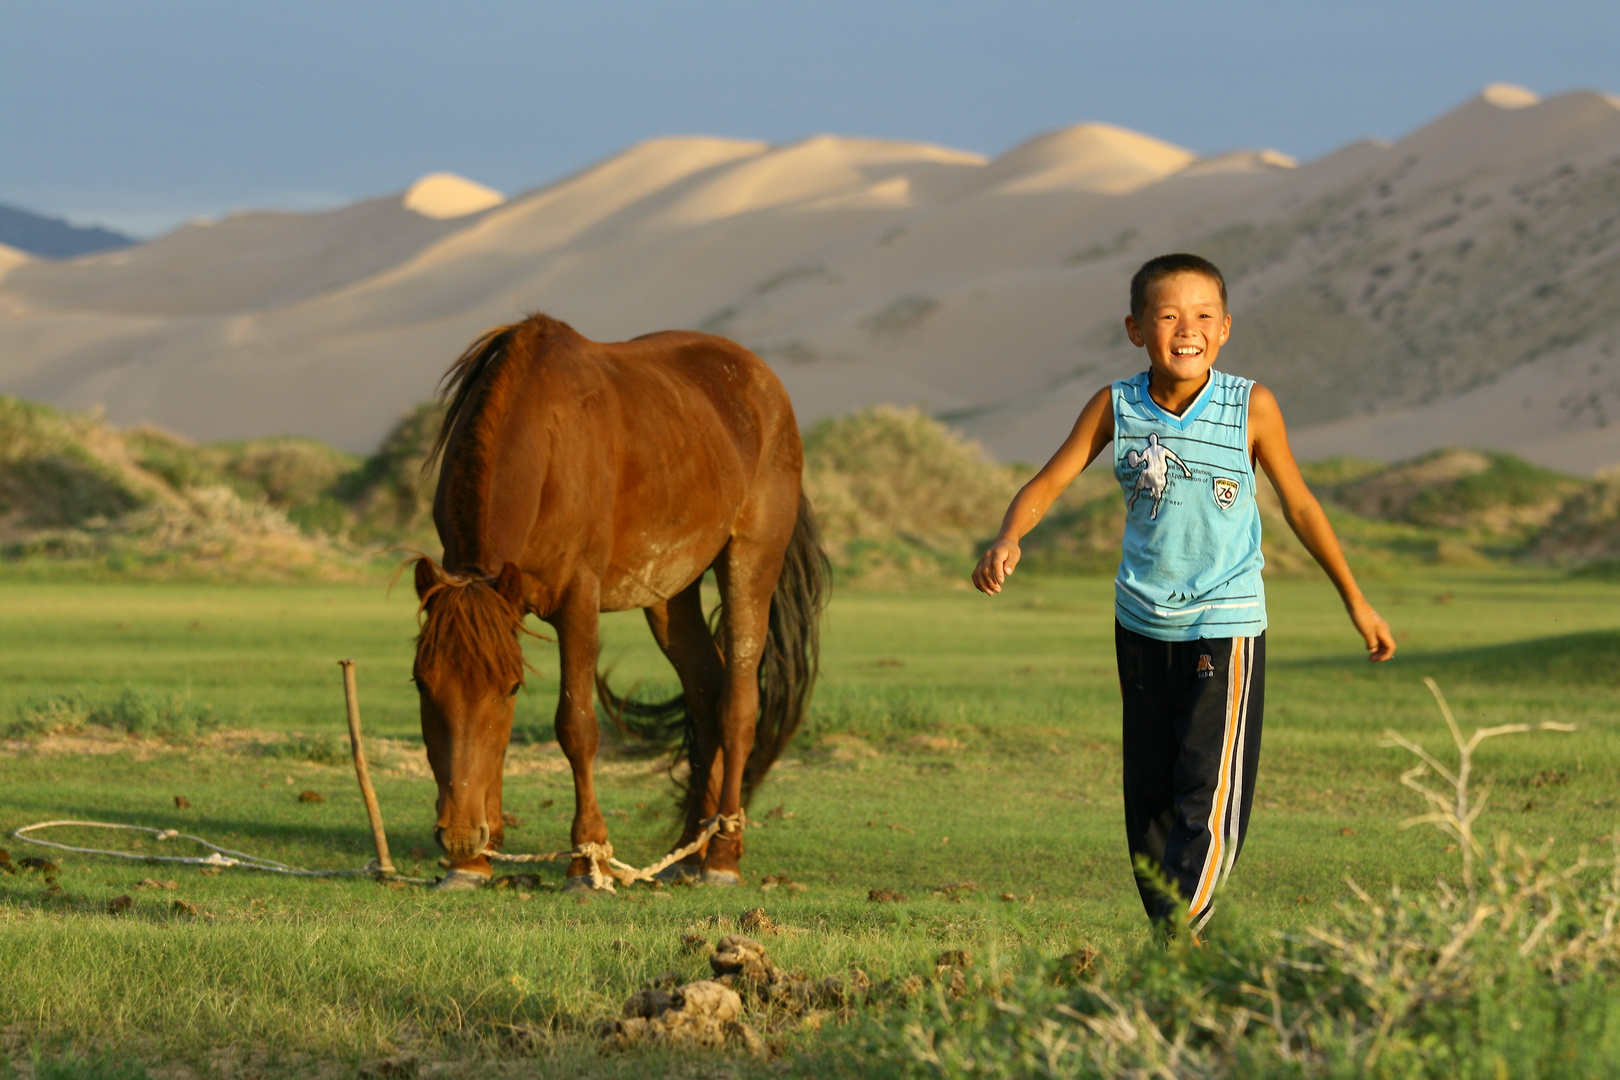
1183, 326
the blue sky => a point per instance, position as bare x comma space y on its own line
143, 114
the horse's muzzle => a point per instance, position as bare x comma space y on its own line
461, 842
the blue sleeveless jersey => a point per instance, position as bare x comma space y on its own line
1190, 564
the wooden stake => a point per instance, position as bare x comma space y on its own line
351, 694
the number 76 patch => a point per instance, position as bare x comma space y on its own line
1226, 492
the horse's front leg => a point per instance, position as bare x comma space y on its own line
576, 625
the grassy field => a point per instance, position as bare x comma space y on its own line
953, 739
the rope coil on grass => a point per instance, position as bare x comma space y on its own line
223, 858
218, 856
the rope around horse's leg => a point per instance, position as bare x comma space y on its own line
623, 872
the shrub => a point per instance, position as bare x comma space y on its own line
173, 716
322, 749
55, 714
899, 495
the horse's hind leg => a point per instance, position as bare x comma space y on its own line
747, 570
683, 634
577, 633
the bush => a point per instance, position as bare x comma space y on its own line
173, 716
323, 749
899, 495
56, 714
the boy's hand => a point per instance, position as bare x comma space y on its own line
1380, 642
996, 564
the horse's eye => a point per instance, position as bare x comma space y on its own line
514, 690
421, 687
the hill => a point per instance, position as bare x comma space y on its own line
1454, 288
900, 497
55, 238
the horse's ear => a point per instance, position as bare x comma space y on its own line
426, 577
509, 583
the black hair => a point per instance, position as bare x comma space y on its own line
1163, 266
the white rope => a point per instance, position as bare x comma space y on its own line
223, 858
623, 872
219, 857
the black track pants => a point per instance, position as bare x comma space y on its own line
1191, 748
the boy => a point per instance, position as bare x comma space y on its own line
1190, 622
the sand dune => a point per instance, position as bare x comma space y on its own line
1460, 285
446, 195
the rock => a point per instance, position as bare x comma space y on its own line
120, 904
886, 896
311, 796
184, 907
693, 942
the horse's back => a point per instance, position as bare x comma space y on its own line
680, 432
720, 369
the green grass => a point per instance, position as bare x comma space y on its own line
954, 737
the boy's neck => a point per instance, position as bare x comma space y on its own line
1174, 396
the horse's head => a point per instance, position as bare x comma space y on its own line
469, 667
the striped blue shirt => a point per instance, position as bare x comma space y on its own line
1190, 563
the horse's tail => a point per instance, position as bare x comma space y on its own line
792, 657
787, 671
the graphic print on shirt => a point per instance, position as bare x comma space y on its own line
1154, 477
1226, 492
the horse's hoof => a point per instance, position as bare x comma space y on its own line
461, 881
680, 874
722, 877
581, 883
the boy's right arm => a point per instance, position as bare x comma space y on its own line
1093, 430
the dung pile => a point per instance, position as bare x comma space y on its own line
746, 983
702, 1013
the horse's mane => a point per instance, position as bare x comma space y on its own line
460, 387
466, 623
457, 385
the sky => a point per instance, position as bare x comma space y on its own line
144, 115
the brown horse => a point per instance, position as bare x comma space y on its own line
580, 477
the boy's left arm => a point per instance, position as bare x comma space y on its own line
1268, 439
